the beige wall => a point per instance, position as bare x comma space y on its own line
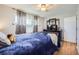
7, 18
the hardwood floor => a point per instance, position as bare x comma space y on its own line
67, 48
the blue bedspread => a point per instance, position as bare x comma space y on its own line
30, 44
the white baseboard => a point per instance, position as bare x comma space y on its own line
69, 41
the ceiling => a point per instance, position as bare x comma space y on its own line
54, 10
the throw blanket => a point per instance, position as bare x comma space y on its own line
30, 44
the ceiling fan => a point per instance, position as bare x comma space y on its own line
45, 7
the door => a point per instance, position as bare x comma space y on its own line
70, 29
78, 34
77, 30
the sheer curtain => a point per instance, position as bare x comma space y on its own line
21, 22
31, 25
34, 23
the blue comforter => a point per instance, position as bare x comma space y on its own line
30, 44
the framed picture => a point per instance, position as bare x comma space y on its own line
53, 24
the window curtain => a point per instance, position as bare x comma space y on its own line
21, 22
31, 23
35, 24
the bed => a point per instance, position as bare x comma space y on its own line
30, 44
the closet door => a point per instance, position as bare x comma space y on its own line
70, 29
78, 34
78, 30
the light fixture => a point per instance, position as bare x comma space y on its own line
44, 7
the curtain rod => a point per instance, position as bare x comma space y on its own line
25, 12
18, 10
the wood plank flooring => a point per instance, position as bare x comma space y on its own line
67, 48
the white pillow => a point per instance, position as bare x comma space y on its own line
3, 38
53, 38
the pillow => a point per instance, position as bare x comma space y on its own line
11, 37
3, 38
53, 38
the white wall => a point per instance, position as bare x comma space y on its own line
7, 18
